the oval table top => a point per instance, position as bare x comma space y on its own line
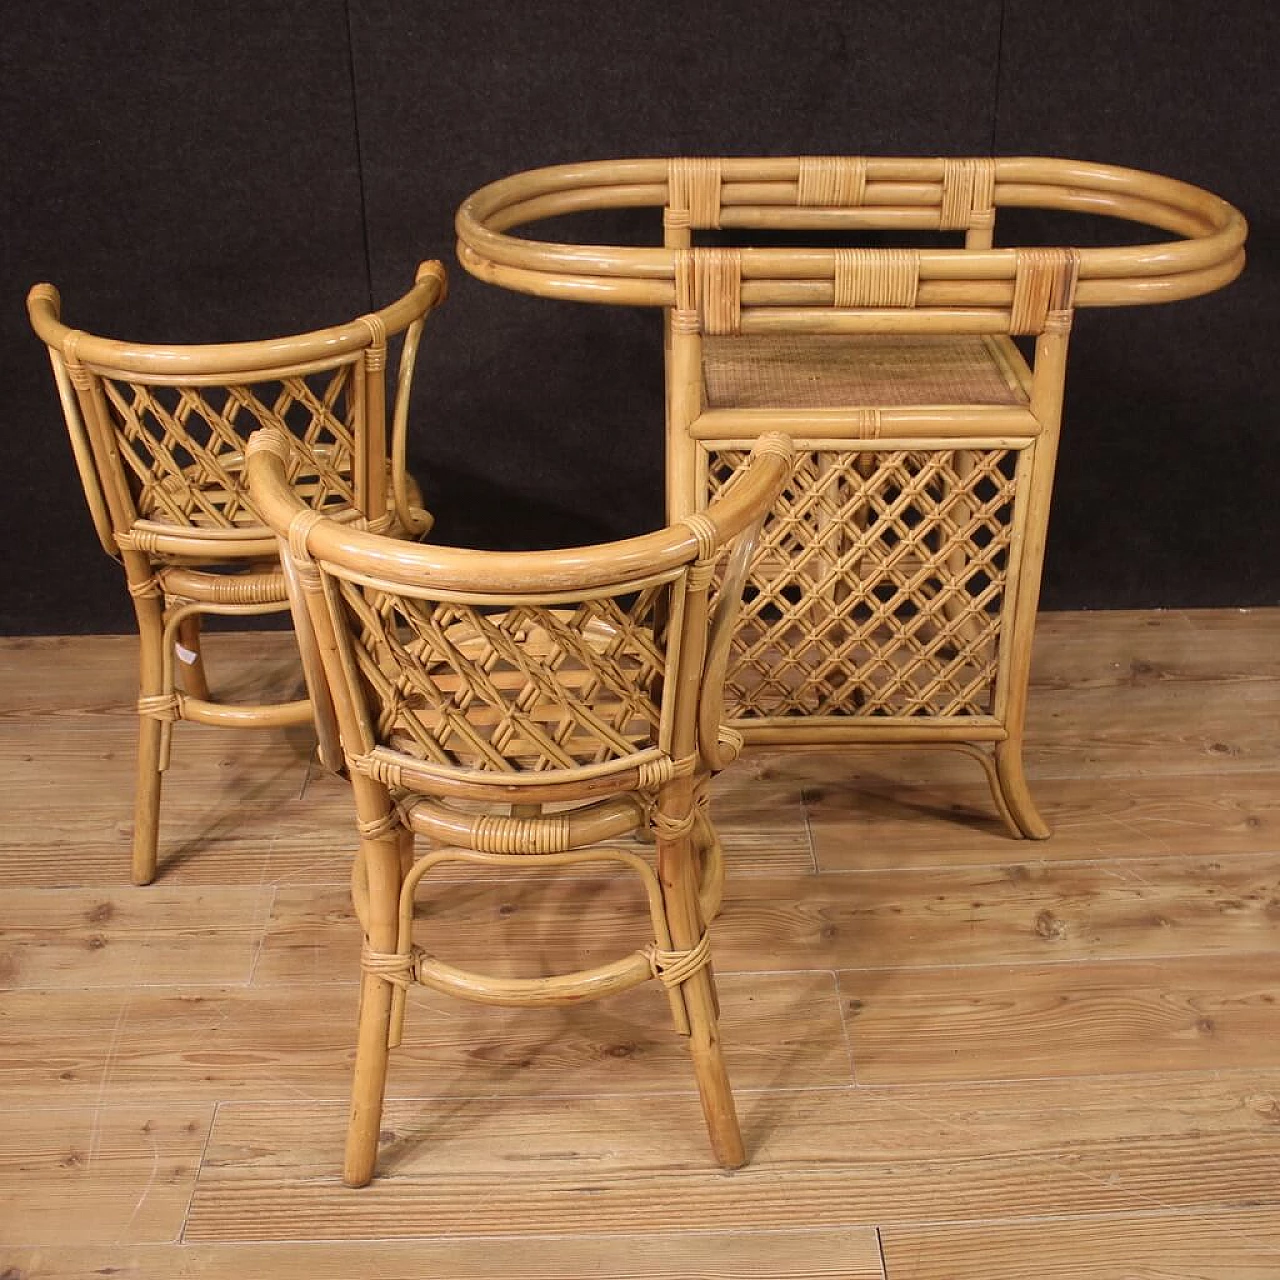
849, 193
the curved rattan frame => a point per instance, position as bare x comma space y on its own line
974, 297
178, 568
901, 193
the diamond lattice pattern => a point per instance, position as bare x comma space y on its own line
529, 688
184, 445
878, 586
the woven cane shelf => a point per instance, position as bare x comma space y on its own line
894, 591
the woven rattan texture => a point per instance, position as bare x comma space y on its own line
820, 371
525, 688
184, 445
877, 588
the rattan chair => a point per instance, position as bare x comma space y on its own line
522, 710
158, 434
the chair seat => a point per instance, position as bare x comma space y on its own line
830, 371
243, 582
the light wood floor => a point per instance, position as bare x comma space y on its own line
957, 1057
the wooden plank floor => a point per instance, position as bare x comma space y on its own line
957, 1056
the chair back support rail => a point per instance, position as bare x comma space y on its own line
523, 709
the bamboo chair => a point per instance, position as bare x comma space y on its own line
894, 597
521, 710
158, 434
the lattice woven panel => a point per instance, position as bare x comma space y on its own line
529, 688
877, 588
184, 446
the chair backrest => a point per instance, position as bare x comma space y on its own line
534, 675
158, 432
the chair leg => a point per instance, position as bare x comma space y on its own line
714, 1091
1016, 794
382, 861
151, 743
684, 918
369, 1085
146, 806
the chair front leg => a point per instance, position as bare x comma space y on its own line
381, 859
153, 731
680, 895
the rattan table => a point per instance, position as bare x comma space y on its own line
893, 597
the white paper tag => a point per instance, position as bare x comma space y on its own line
187, 655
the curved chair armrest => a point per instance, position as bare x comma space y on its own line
414, 520
717, 745
551, 576
328, 740
44, 303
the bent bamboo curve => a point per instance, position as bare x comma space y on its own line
906, 194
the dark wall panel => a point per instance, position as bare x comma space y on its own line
539, 421
182, 173
195, 173
1168, 486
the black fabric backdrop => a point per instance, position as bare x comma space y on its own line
234, 170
